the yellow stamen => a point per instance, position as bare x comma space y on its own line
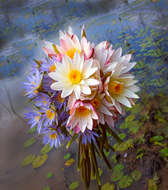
75, 76
37, 118
71, 52
53, 136
35, 91
50, 114
52, 68
82, 111
44, 100
115, 87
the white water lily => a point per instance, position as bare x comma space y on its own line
120, 86
74, 75
103, 53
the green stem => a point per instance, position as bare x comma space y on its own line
74, 137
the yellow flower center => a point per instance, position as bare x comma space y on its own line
95, 102
50, 114
52, 68
53, 136
115, 87
71, 52
35, 91
82, 111
75, 76
44, 100
37, 118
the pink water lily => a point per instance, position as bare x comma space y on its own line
82, 116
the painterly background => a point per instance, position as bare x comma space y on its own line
140, 27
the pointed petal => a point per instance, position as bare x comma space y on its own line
83, 124
56, 86
66, 92
104, 110
77, 91
90, 72
90, 123
130, 94
129, 66
86, 90
123, 100
92, 82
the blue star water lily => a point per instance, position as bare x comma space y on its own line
88, 136
35, 119
50, 116
32, 87
42, 100
53, 137
49, 65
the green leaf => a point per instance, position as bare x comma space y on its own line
117, 172
106, 153
32, 130
152, 185
117, 175
108, 134
140, 155
156, 139
124, 146
125, 181
108, 186
45, 149
122, 136
134, 129
160, 144
114, 158
47, 188
39, 161
74, 185
67, 156
69, 162
29, 142
49, 175
28, 160
164, 152
136, 175
131, 117
136, 109
118, 167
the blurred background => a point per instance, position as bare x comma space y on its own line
140, 27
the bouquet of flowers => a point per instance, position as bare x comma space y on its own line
77, 93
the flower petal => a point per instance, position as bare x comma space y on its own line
92, 82
66, 92
130, 94
56, 86
123, 100
77, 91
86, 90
